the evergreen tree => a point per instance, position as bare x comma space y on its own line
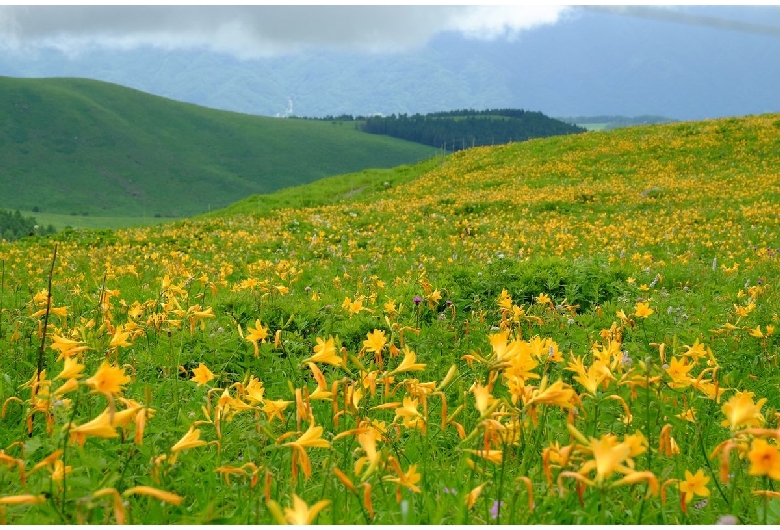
14, 226
461, 129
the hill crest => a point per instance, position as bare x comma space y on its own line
89, 147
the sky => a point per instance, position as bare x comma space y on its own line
255, 31
674, 53
248, 32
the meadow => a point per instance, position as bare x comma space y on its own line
574, 330
66, 221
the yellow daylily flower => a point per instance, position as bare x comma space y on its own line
202, 374
311, 438
643, 310
408, 413
71, 369
408, 480
301, 513
254, 391
325, 352
764, 459
66, 347
274, 409
12, 500
100, 427
190, 440
473, 495
741, 412
257, 334
409, 363
375, 342
165, 496
694, 485
108, 380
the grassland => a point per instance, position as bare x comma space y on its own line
605, 123
338, 189
594, 126
63, 221
575, 330
73, 146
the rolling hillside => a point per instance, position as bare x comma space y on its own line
572, 330
73, 146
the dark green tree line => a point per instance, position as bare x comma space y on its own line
13, 226
461, 129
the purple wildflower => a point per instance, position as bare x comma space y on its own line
417, 300
727, 519
497, 505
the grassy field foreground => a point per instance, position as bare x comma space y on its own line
577, 330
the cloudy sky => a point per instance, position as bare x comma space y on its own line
260, 31
678, 61
254, 31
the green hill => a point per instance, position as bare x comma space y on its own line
607, 123
74, 146
572, 330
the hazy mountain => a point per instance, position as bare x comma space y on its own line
590, 63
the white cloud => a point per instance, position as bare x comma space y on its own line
492, 22
255, 31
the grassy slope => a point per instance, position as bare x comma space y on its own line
63, 221
329, 190
339, 189
680, 216
79, 146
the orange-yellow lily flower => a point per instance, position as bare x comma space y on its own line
108, 380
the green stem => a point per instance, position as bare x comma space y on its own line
709, 466
46, 316
594, 428
602, 507
65, 437
501, 484
766, 498
647, 414
2, 293
131, 452
173, 375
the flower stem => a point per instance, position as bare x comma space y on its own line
2, 293
766, 499
46, 316
602, 506
709, 466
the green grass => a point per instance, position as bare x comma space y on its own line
594, 126
76, 146
347, 188
63, 221
604, 343
600, 123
